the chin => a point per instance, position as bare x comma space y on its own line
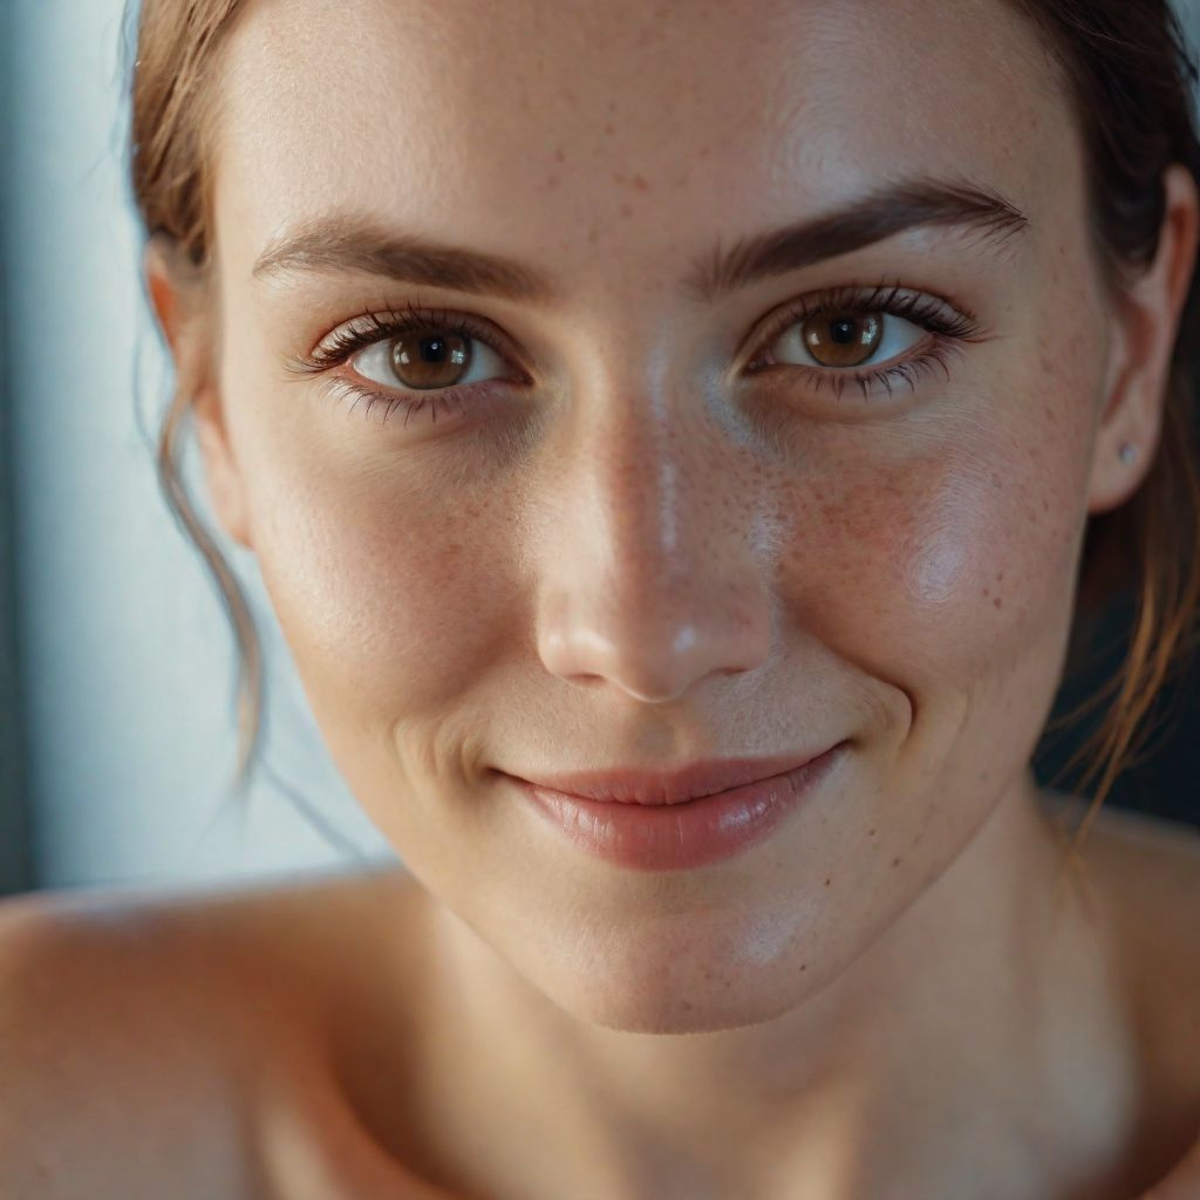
665, 1014
697, 993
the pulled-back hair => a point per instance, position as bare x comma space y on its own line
1130, 81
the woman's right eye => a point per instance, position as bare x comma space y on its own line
425, 360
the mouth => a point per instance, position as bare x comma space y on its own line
679, 834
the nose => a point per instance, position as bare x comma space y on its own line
652, 574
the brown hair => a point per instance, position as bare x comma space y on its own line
1131, 80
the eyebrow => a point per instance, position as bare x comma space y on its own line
343, 243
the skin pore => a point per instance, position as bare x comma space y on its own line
622, 546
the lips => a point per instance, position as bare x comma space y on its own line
682, 835
677, 786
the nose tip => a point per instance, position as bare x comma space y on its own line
657, 648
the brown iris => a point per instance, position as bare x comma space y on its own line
843, 339
430, 358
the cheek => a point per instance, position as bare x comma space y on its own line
379, 596
941, 565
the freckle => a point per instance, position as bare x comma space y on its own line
896, 862
828, 882
804, 966
870, 833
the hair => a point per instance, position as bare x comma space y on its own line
1130, 80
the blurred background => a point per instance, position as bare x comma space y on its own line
118, 736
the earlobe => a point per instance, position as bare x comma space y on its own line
1148, 326
1127, 439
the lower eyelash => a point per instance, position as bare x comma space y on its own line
931, 363
391, 403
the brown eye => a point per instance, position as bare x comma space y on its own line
845, 339
429, 358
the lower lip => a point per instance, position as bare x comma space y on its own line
673, 837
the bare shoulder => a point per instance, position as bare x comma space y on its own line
1150, 863
1147, 871
1152, 867
135, 1028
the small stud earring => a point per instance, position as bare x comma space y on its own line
1128, 453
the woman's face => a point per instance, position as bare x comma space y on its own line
624, 541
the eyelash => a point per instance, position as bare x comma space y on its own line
949, 328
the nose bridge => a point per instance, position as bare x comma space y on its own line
653, 579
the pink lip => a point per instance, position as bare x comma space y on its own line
686, 834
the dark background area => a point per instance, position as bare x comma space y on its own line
1163, 781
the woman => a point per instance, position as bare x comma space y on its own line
682, 397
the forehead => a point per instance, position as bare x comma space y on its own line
539, 127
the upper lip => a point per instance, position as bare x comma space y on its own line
670, 786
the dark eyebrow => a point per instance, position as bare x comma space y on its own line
344, 243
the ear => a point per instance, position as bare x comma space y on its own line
179, 294
1145, 332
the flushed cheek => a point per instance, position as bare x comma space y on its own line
938, 566
384, 604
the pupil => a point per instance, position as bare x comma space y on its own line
432, 349
843, 330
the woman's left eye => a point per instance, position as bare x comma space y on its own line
851, 337
845, 340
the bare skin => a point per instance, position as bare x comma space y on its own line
311, 1041
1130, 1043
619, 545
